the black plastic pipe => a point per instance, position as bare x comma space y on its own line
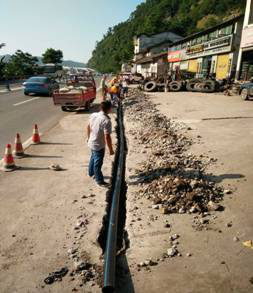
111, 242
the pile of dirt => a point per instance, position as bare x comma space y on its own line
171, 177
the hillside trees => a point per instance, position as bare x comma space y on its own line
183, 17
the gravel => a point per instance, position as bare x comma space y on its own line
171, 177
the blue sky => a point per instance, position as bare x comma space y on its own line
73, 26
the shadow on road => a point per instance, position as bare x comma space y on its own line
152, 175
43, 157
33, 169
54, 143
220, 178
39, 169
94, 108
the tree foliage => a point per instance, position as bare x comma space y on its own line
52, 56
20, 65
183, 17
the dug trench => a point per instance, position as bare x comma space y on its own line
163, 173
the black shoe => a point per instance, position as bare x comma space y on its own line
103, 184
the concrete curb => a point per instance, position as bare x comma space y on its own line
12, 90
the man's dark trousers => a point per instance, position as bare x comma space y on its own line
95, 165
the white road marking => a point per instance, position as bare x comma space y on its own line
26, 101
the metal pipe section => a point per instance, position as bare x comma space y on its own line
111, 243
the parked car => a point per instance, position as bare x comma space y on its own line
247, 91
40, 85
245, 86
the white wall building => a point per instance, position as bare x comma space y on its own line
244, 69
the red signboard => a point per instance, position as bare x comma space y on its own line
175, 56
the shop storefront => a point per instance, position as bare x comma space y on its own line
184, 65
210, 53
177, 60
244, 70
211, 60
246, 67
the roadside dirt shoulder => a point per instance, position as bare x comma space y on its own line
49, 220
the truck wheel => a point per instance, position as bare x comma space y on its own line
175, 86
245, 94
64, 109
87, 106
150, 86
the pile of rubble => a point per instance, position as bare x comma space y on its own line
173, 179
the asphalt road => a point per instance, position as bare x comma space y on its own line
18, 114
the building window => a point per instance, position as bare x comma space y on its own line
199, 40
205, 38
213, 35
225, 31
184, 45
193, 42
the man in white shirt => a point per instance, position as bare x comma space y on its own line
99, 135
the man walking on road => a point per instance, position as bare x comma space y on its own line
104, 87
99, 135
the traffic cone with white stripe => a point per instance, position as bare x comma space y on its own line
8, 160
18, 148
36, 135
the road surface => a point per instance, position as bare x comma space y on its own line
18, 114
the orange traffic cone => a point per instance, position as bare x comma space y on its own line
18, 148
36, 136
8, 161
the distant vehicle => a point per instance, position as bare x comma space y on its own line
246, 91
41, 85
79, 93
245, 86
51, 70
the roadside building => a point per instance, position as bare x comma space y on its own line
125, 67
245, 60
150, 53
212, 52
155, 65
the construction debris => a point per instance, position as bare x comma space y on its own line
56, 276
55, 167
173, 179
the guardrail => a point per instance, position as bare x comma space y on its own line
117, 210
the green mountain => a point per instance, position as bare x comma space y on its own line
183, 17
